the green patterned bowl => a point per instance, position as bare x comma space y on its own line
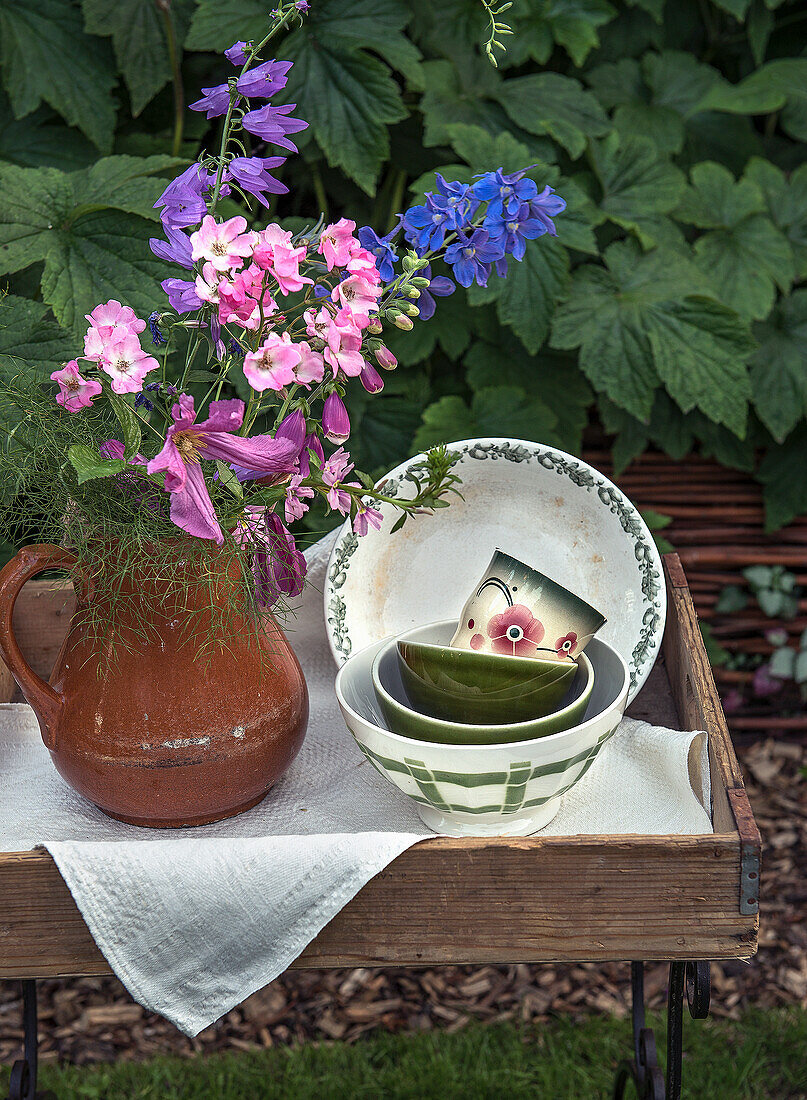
403, 716
460, 685
484, 790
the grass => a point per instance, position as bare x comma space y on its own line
761, 1057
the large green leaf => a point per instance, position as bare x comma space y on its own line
642, 321
30, 337
451, 97
526, 298
556, 105
41, 138
91, 251
635, 182
786, 202
779, 367
45, 55
494, 411
572, 24
744, 255
138, 32
782, 473
348, 99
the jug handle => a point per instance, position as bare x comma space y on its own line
26, 563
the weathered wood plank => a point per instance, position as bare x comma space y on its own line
471, 900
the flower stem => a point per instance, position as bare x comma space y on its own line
176, 74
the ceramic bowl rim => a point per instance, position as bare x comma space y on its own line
619, 702
543, 664
537, 449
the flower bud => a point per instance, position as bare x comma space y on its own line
386, 359
311, 444
403, 322
371, 379
335, 421
413, 292
292, 427
375, 326
412, 310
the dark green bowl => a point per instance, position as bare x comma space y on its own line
458, 685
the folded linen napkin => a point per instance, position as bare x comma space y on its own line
194, 921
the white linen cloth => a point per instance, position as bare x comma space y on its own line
193, 921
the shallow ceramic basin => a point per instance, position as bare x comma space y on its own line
463, 686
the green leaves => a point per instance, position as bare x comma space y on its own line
779, 366
46, 56
130, 425
29, 338
89, 228
572, 24
744, 256
643, 321
139, 36
556, 105
635, 182
89, 464
495, 410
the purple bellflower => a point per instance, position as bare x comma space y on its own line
215, 102
264, 80
252, 175
177, 249
182, 200
237, 53
272, 124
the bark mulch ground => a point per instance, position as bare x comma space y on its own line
94, 1019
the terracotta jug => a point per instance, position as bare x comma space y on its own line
159, 735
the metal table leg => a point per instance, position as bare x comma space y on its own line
24, 1071
692, 978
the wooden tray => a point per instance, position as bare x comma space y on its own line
483, 900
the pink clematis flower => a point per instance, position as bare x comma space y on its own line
515, 631
223, 244
336, 243
187, 442
123, 359
359, 296
75, 392
271, 367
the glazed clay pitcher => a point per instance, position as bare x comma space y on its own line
149, 730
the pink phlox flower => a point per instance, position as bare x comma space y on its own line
223, 244
365, 518
187, 442
240, 299
296, 496
318, 324
272, 366
275, 252
343, 350
336, 243
311, 367
75, 391
105, 321
359, 295
123, 359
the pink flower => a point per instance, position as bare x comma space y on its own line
365, 518
386, 359
275, 252
313, 445
565, 646
311, 367
271, 367
333, 472
363, 262
241, 297
371, 379
335, 420
318, 325
223, 244
125, 362
207, 284
75, 392
359, 296
296, 496
337, 242
187, 442
343, 351
515, 631
278, 566
107, 320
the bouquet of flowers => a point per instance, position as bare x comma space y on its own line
233, 421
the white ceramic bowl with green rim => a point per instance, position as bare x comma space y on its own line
546, 507
511, 789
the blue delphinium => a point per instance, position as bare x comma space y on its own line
449, 209
439, 286
381, 248
471, 257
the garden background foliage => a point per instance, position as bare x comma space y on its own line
672, 304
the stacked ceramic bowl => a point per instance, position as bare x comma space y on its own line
486, 721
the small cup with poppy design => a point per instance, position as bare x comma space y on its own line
518, 612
